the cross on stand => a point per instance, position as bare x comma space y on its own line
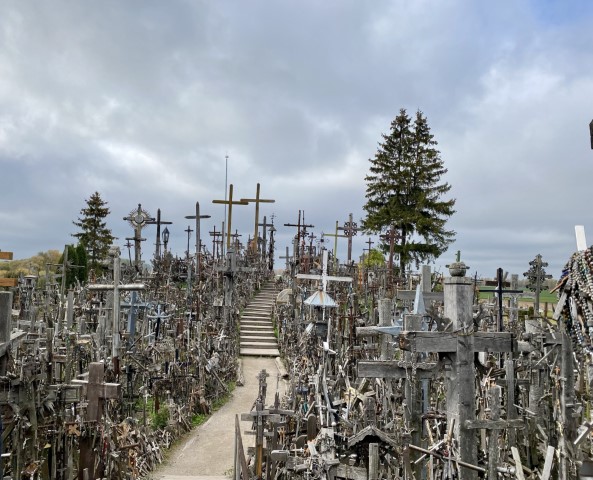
459, 345
257, 201
350, 230
230, 203
138, 219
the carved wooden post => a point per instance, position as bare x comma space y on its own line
5, 325
458, 292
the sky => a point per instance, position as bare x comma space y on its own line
142, 101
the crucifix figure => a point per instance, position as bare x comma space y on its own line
230, 203
257, 201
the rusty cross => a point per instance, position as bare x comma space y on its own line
230, 203
257, 201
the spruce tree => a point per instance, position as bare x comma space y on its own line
94, 235
403, 191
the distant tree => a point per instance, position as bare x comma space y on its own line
94, 235
374, 259
403, 191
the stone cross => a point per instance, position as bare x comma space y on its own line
229, 218
257, 201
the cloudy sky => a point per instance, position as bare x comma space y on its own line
141, 100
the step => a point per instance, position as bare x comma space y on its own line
261, 345
257, 333
260, 339
256, 318
259, 352
254, 322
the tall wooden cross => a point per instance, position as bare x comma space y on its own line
215, 242
230, 203
158, 222
198, 217
257, 201
301, 232
350, 230
499, 292
336, 235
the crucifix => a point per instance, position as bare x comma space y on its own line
536, 276
138, 219
257, 201
350, 230
230, 203
158, 222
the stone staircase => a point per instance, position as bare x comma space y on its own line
257, 331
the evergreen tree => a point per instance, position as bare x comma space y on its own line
94, 236
403, 191
81, 257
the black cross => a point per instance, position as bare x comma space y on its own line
499, 291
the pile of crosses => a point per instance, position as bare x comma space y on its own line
426, 385
96, 381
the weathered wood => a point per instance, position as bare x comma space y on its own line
6, 255
549, 462
373, 461
447, 341
408, 295
9, 282
394, 369
350, 473
494, 424
518, 464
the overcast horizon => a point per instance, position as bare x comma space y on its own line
143, 100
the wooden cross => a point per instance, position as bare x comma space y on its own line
158, 222
286, 258
214, 234
257, 201
301, 232
265, 226
198, 217
230, 203
336, 235
97, 391
499, 292
350, 230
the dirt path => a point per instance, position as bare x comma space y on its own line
207, 452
